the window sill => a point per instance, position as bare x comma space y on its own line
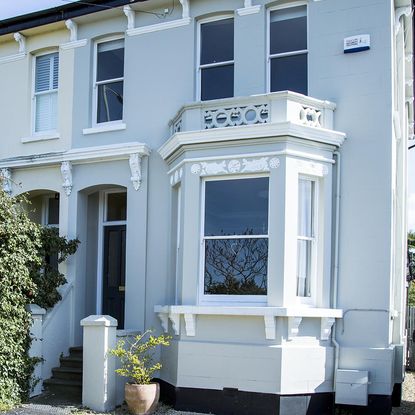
104, 128
269, 314
40, 137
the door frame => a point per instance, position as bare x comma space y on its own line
102, 211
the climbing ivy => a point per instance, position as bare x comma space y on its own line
19, 253
53, 250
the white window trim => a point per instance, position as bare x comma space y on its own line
39, 135
223, 299
103, 126
312, 300
199, 67
102, 223
280, 55
45, 211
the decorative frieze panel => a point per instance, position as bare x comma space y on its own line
234, 116
234, 166
313, 169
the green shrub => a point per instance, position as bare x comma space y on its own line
137, 357
53, 250
19, 253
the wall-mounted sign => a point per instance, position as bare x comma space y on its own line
356, 43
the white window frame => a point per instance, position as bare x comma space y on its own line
281, 55
94, 122
200, 67
102, 223
312, 299
223, 299
35, 94
45, 211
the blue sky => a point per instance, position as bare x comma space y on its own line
13, 8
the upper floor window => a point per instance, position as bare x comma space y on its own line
216, 65
235, 238
288, 49
46, 92
109, 81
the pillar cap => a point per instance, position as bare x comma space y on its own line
34, 309
97, 320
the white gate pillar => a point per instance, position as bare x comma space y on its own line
36, 333
98, 379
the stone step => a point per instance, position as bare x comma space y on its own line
71, 361
58, 386
68, 373
76, 351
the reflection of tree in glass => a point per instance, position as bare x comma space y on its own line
236, 266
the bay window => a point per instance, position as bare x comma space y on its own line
288, 49
235, 238
46, 92
305, 236
109, 81
216, 60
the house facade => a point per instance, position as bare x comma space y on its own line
236, 174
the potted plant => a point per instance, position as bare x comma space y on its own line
138, 365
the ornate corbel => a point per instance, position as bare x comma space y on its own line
270, 327
135, 167
293, 326
73, 28
175, 320
21, 40
399, 12
66, 171
190, 324
164, 318
6, 176
185, 9
326, 325
130, 14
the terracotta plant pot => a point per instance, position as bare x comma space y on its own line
142, 399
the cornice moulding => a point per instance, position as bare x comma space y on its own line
247, 132
79, 156
159, 26
12, 58
74, 44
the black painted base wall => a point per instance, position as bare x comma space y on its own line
234, 402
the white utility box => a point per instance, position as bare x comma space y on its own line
351, 387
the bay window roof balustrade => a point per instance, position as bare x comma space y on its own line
269, 108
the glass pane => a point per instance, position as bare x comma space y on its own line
53, 211
217, 82
305, 207
236, 207
110, 101
236, 266
116, 206
303, 268
46, 112
289, 73
216, 41
288, 30
110, 64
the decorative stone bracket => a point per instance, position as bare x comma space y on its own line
135, 167
6, 175
66, 171
72, 26
249, 8
399, 12
21, 40
269, 314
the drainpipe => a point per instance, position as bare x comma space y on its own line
336, 265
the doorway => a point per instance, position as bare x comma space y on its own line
113, 231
